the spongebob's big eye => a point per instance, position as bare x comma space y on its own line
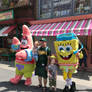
61, 48
68, 48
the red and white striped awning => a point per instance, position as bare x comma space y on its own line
4, 31
80, 27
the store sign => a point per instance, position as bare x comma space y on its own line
6, 15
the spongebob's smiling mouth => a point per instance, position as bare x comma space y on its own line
66, 57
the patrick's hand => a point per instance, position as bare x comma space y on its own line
15, 44
15, 41
21, 54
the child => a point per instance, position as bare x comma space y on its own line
52, 70
35, 51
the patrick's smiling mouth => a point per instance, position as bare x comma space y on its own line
66, 57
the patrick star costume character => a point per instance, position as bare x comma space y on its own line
24, 62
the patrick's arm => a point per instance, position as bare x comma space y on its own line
15, 44
25, 54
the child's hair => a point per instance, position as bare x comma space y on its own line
52, 57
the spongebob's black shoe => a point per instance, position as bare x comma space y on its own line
73, 87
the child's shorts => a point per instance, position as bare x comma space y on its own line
52, 82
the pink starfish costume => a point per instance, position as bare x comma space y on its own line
24, 62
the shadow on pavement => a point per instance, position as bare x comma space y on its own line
10, 63
87, 90
83, 75
80, 74
7, 86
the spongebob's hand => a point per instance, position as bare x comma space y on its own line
81, 55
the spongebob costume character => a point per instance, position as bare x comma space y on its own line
24, 62
67, 50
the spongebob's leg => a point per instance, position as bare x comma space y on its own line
71, 83
66, 89
69, 80
64, 75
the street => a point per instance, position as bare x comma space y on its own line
83, 80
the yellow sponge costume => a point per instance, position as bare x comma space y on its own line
67, 51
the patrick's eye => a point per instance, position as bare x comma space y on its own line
61, 48
68, 48
24, 42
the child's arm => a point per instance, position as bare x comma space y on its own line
49, 74
56, 74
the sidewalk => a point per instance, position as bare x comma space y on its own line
83, 80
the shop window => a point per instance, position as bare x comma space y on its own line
62, 7
45, 8
54, 8
82, 6
1, 42
4, 4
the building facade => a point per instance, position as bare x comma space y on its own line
54, 17
13, 14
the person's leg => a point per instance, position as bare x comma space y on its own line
45, 82
80, 63
50, 83
85, 63
40, 81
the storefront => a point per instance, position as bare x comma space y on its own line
59, 16
7, 4
13, 14
50, 28
61, 8
7, 31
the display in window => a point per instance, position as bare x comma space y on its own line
62, 7
12, 3
82, 6
45, 9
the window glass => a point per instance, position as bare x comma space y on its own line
82, 6
4, 4
62, 7
45, 8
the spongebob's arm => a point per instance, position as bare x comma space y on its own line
80, 55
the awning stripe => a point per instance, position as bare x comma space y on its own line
45, 28
90, 28
36, 28
50, 29
71, 23
83, 26
80, 27
54, 31
9, 29
2, 30
42, 28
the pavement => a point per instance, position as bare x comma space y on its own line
83, 80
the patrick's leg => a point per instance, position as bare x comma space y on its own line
28, 76
17, 77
